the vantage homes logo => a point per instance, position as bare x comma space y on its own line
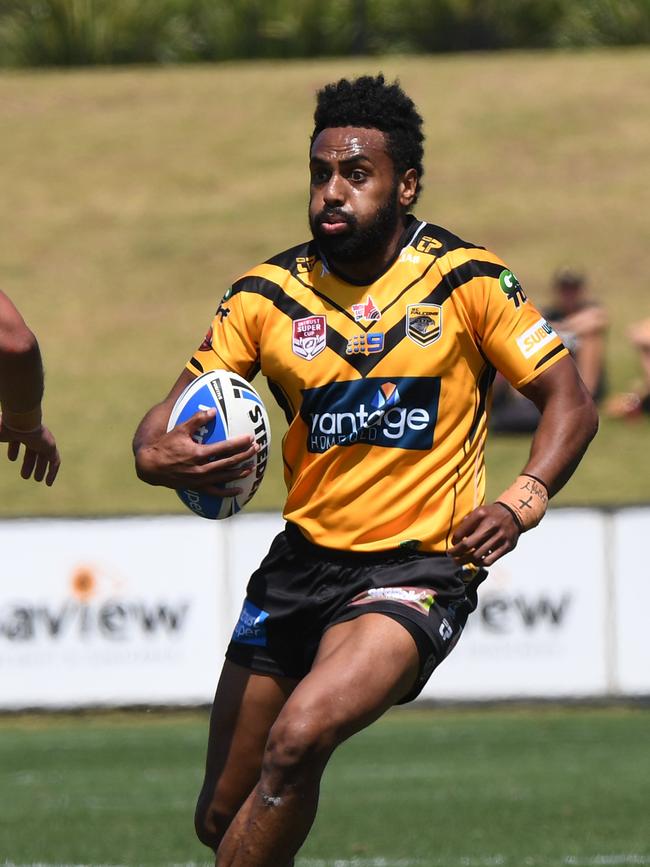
93, 608
400, 412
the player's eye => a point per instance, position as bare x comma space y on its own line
357, 176
319, 176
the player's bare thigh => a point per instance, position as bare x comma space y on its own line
363, 667
245, 707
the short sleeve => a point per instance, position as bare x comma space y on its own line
512, 333
231, 342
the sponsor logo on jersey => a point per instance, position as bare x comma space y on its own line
305, 264
427, 244
368, 312
222, 310
405, 256
397, 413
251, 626
512, 288
365, 344
424, 323
309, 337
535, 337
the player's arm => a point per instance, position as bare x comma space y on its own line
175, 460
568, 423
21, 394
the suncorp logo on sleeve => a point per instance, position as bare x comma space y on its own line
400, 412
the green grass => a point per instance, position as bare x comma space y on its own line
136, 196
437, 788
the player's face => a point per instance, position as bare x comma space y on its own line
357, 202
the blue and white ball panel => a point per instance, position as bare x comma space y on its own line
240, 410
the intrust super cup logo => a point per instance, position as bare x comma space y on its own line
396, 413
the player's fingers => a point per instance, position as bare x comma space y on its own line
489, 553
40, 467
465, 551
217, 491
221, 476
28, 463
228, 454
197, 421
53, 468
13, 450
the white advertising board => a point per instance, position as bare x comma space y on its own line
539, 629
140, 610
108, 611
631, 605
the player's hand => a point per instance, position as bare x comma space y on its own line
484, 536
175, 460
41, 459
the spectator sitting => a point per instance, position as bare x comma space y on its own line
631, 404
582, 324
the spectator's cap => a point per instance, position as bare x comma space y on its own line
568, 279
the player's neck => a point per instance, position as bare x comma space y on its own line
369, 269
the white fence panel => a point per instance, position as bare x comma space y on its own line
140, 610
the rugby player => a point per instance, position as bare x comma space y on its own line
21, 394
379, 338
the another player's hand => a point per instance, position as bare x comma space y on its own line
41, 459
175, 460
484, 536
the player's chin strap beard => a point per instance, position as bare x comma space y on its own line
526, 500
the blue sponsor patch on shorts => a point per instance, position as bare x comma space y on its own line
251, 626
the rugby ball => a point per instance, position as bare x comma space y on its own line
239, 411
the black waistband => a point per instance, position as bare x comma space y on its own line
359, 558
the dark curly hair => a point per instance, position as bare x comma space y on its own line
368, 101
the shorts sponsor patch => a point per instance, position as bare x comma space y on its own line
251, 626
420, 598
535, 337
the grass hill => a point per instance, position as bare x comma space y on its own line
133, 198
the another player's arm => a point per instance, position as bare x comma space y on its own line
21, 395
173, 459
568, 423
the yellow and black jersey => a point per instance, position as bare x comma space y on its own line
385, 386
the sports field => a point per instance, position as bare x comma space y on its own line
137, 195
530, 787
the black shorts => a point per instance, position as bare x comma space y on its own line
301, 589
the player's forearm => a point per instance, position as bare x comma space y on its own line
151, 428
566, 428
21, 378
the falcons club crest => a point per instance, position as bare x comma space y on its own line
368, 312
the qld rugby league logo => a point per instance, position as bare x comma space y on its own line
424, 323
309, 336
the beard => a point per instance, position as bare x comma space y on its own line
358, 242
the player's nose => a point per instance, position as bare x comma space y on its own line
334, 190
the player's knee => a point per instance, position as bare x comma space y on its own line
298, 743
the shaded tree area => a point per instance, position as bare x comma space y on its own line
89, 32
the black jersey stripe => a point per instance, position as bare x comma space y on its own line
294, 310
197, 364
282, 400
549, 355
447, 284
484, 384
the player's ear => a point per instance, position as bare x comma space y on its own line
407, 188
